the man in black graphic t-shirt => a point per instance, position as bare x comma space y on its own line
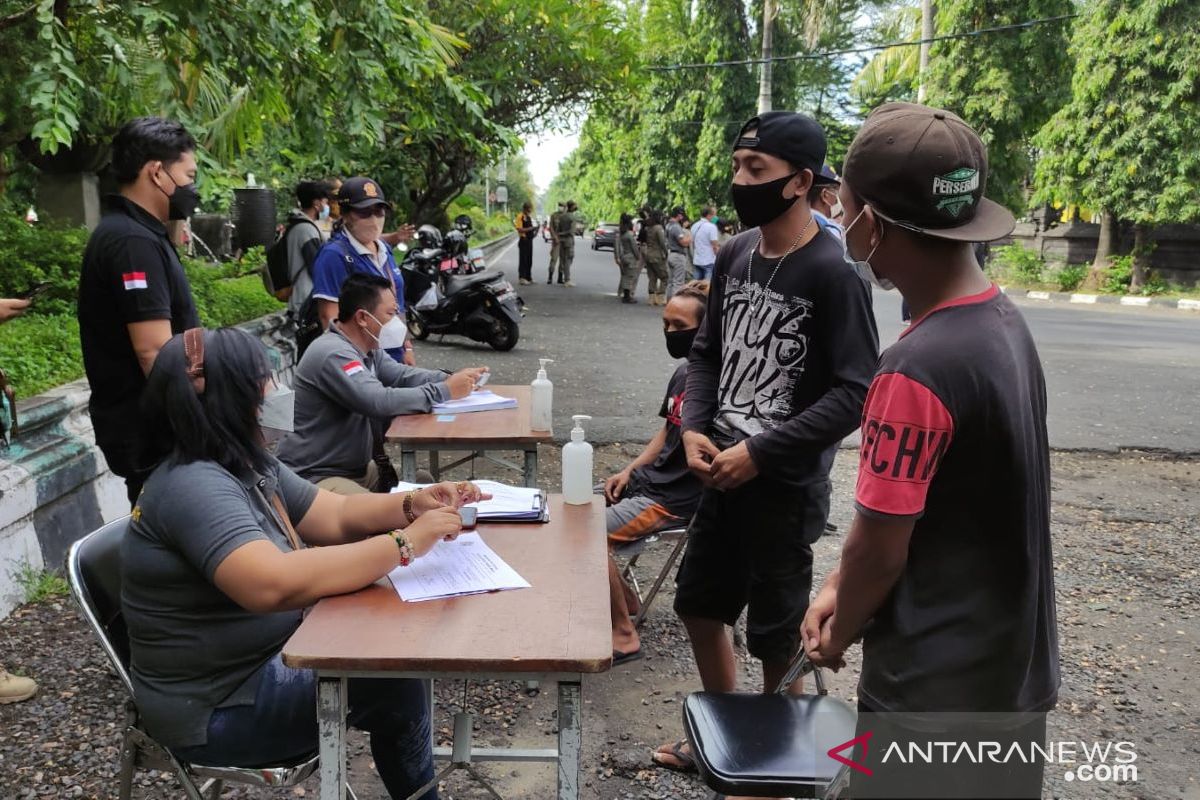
776, 379
947, 571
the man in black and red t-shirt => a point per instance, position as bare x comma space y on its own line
946, 572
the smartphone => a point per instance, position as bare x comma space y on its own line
483, 379
34, 291
469, 517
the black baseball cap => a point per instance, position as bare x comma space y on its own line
926, 170
361, 193
796, 138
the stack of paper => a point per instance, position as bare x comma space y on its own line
478, 400
508, 503
452, 569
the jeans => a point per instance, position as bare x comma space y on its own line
281, 727
525, 258
703, 272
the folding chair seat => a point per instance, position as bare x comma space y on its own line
632, 551
94, 572
769, 745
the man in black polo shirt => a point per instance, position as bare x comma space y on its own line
133, 294
947, 571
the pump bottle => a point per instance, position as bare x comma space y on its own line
542, 411
577, 466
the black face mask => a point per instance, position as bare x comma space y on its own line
679, 343
184, 201
760, 203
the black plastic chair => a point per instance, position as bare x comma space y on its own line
770, 745
94, 572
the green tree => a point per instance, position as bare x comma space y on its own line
1005, 84
1125, 143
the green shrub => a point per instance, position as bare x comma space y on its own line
1116, 278
39, 584
1070, 277
1156, 284
40, 352
1018, 263
31, 254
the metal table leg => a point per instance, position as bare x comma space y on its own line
570, 707
331, 736
408, 466
530, 473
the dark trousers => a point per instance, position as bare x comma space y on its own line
281, 727
525, 258
122, 458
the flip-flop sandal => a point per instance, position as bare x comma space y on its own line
620, 658
687, 763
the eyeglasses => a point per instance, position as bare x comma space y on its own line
367, 213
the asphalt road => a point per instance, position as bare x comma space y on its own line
1118, 378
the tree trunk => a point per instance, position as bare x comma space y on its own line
766, 72
1106, 247
927, 14
1142, 248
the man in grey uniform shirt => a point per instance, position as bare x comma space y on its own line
678, 240
347, 389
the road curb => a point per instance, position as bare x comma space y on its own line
1080, 298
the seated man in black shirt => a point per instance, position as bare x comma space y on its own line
657, 490
947, 571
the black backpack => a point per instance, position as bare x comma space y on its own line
277, 272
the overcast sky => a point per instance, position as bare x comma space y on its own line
544, 151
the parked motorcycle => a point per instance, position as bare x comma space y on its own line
448, 290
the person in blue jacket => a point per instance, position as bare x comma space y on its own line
358, 246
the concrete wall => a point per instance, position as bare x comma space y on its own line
1176, 254
54, 483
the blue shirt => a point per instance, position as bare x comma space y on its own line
339, 257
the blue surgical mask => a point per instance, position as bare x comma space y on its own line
278, 410
864, 266
324, 212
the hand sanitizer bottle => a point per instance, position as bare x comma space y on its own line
542, 412
577, 466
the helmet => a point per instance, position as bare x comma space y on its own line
463, 223
455, 242
429, 236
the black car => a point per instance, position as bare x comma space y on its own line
605, 236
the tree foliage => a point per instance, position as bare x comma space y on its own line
1005, 84
1126, 140
668, 141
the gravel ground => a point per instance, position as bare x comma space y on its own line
1125, 529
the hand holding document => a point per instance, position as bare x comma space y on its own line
453, 569
507, 503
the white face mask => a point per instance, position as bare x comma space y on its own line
864, 266
278, 410
391, 335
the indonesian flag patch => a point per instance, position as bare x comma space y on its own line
134, 280
352, 368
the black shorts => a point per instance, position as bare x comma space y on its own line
753, 546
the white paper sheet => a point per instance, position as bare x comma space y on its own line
452, 569
478, 400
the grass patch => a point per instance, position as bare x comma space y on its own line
39, 584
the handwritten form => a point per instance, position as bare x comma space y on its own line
453, 569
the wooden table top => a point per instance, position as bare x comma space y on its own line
509, 426
560, 624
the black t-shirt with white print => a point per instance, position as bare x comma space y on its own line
784, 357
667, 480
954, 435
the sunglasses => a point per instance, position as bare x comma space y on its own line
367, 213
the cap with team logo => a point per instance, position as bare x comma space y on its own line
926, 170
361, 193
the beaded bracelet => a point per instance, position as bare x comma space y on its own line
406, 551
409, 514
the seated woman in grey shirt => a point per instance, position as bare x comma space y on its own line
225, 550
